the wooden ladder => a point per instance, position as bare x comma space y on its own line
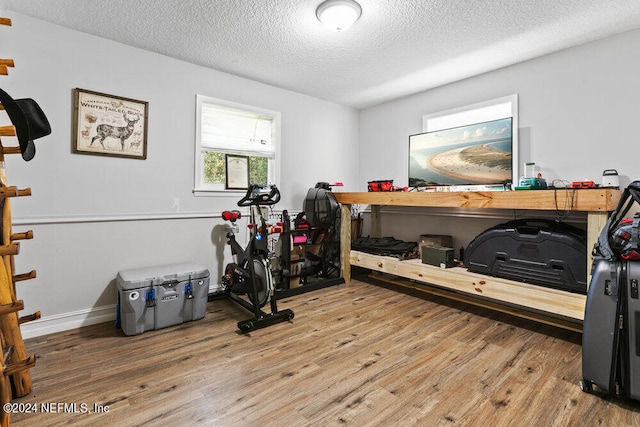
15, 380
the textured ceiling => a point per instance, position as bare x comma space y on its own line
398, 47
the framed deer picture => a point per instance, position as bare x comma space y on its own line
109, 125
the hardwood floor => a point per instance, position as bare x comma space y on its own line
357, 354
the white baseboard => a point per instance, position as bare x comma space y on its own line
76, 319
63, 322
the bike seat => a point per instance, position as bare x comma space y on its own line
231, 215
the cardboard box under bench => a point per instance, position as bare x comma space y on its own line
436, 239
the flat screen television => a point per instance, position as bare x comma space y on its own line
477, 154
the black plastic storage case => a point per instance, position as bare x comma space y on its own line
537, 251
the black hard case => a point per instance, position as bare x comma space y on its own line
536, 251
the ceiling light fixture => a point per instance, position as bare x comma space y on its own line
338, 14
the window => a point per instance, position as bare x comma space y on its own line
227, 128
494, 109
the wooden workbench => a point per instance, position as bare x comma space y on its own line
597, 203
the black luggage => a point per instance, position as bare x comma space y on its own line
601, 330
630, 345
610, 333
611, 328
537, 251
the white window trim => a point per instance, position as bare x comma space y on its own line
199, 187
499, 108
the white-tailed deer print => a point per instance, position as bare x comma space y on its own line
119, 132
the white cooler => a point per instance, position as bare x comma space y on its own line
160, 296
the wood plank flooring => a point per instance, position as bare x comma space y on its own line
357, 354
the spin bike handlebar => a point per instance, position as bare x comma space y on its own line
255, 197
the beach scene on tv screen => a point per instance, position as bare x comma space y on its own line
474, 154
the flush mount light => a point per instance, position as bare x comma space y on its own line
338, 14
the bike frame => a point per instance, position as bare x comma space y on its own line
256, 250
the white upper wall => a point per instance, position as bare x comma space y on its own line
319, 138
93, 216
578, 112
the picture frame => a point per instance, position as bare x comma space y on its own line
109, 125
236, 171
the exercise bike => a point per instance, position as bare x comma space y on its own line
250, 274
